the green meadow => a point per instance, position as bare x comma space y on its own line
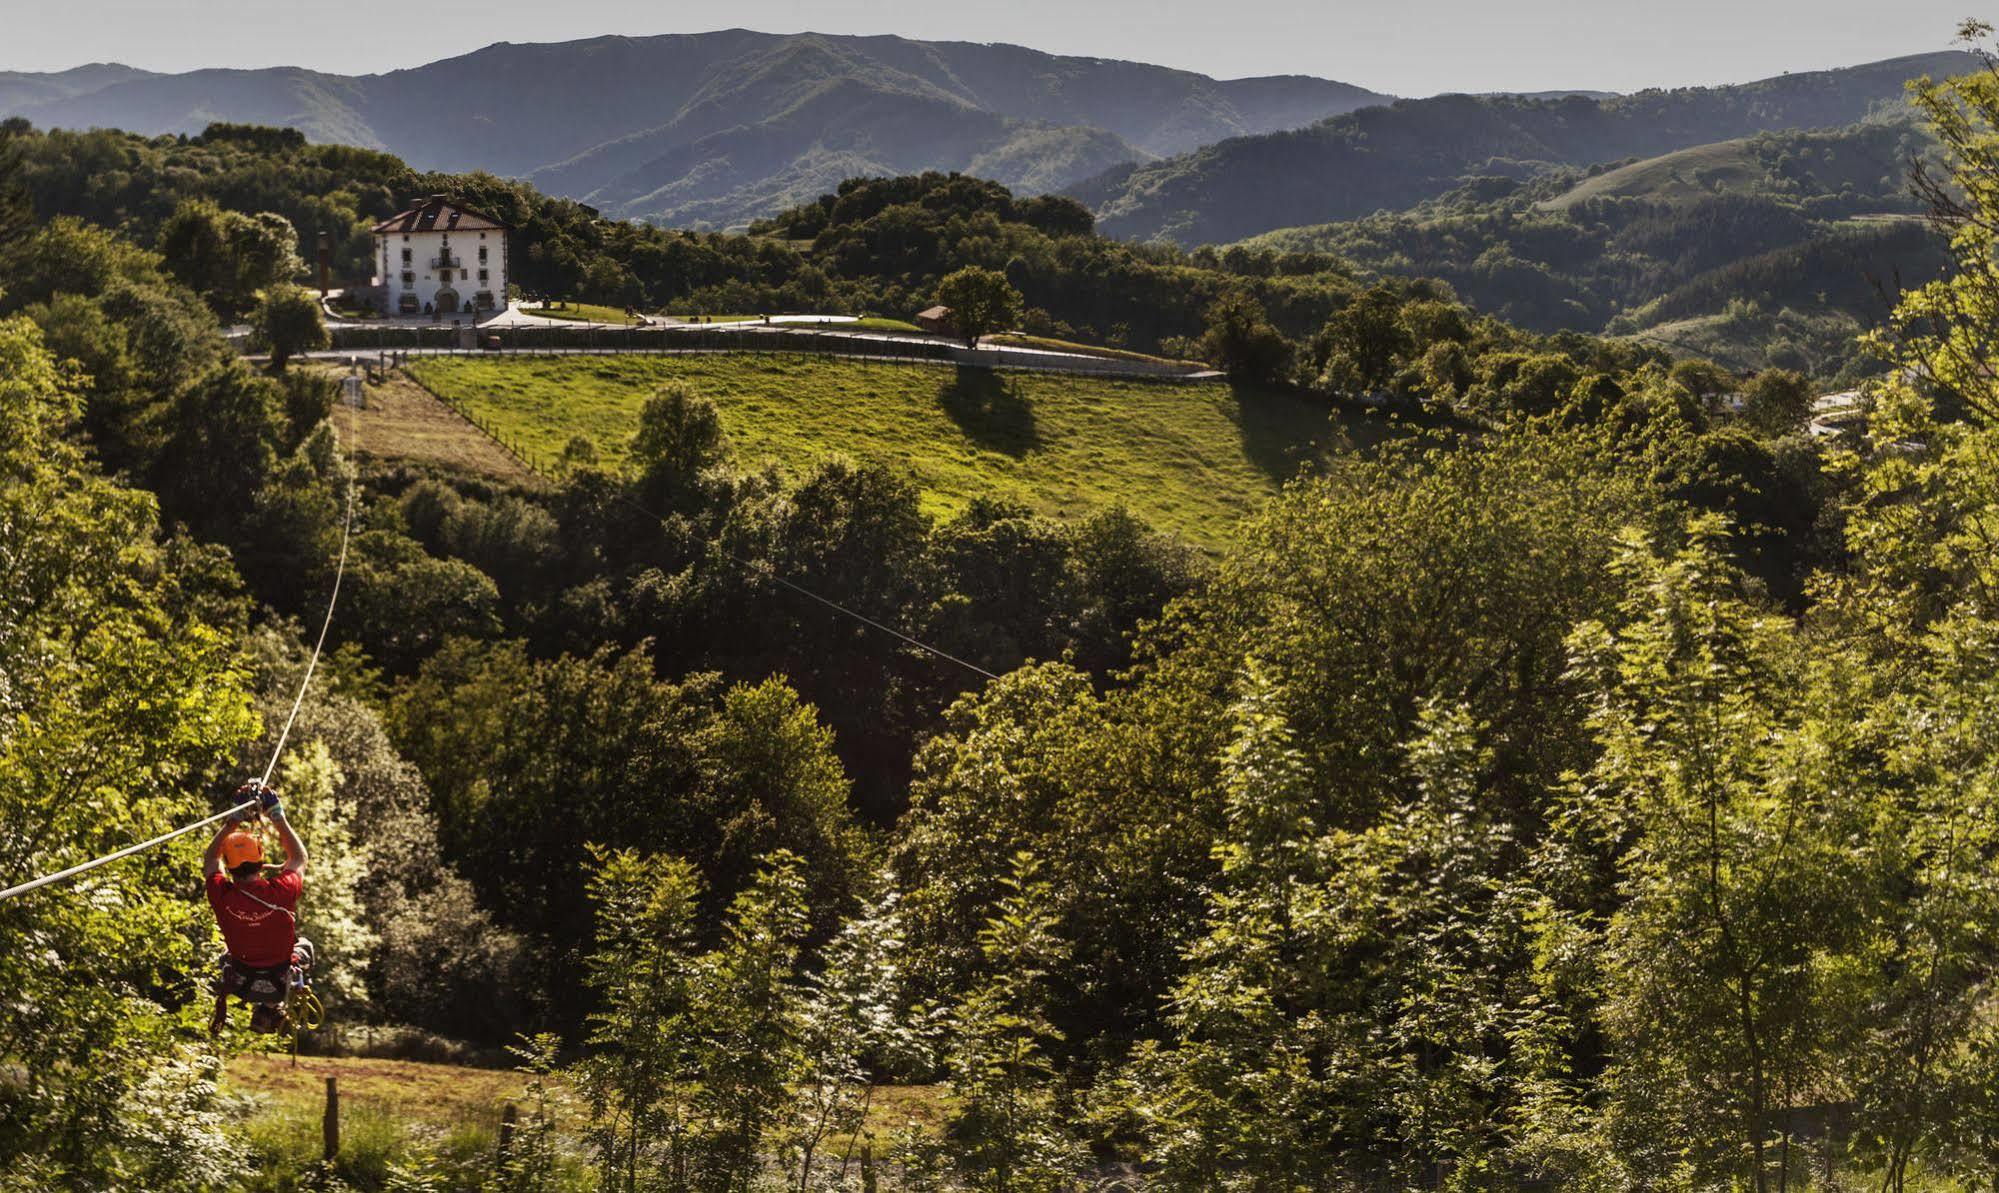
1189, 458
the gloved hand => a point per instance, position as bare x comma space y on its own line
267, 798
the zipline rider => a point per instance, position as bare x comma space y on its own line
258, 914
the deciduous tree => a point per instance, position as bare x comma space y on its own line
982, 301
286, 322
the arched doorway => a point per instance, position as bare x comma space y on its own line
447, 301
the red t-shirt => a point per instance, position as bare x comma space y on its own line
257, 936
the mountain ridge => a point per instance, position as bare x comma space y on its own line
1395, 156
602, 119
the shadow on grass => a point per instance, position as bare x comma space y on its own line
990, 411
1283, 433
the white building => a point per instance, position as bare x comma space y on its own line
441, 258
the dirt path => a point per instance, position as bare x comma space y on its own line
402, 423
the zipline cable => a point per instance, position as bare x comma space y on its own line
298, 701
770, 573
765, 569
128, 851
339, 570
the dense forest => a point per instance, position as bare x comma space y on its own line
1395, 156
877, 246
1772, 251
1593, 785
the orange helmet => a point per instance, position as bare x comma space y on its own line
240, 849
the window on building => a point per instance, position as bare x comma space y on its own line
482, 254
409, 278
406, 256
482, 275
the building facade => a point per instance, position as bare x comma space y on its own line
440, 258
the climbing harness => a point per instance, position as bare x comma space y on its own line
280, 997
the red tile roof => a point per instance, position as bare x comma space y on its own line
438, 214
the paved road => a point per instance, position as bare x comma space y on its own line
1025, 359
1003, 353
514, 317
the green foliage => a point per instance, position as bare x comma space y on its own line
854, 1023
1185, 459
696, 1056
1363, 344
532, 1165
228, 257
1234, 1102
333, 918
643, 971
123, 711
1241, 340
16, 205
286, 322
1945, 324
1007, 1129
677, 449
1730, 964
529, 761
142, 185
982, 301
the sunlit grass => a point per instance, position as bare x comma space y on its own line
399, 1118
1191, 459
583, 312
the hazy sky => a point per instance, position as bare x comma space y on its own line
1408, 47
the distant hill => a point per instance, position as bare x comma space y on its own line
19, 90
1394, 157
1583, 93
1754, 251
1731, 167
715, 128
1863, 166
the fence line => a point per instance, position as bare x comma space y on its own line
525, 459
540, 341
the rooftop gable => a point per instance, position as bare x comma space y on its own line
438, 214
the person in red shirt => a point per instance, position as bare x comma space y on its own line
257, 910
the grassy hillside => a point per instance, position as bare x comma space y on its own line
403, 425
1391, 158
1862, 167
1189, 459
1730, 167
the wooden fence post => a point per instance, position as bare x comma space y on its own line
868, 1165
330, 1126
509, 1115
